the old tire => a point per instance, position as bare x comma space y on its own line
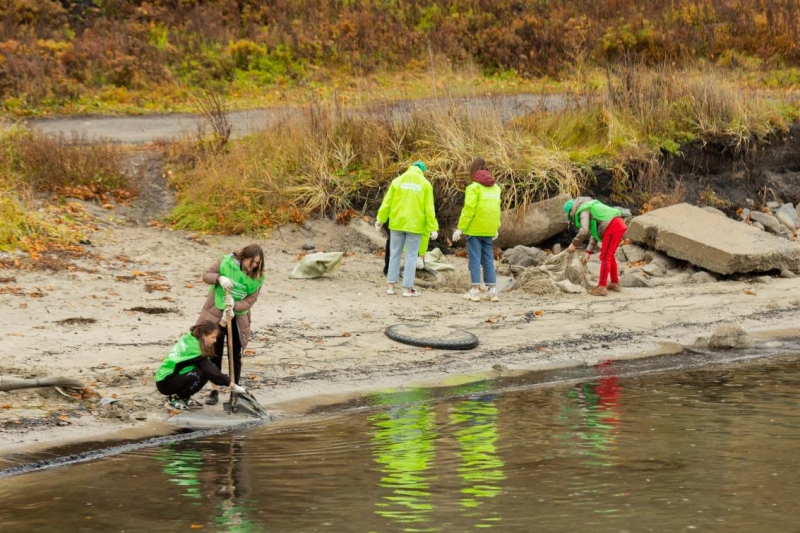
415, 335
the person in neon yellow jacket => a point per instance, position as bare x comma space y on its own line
480, 222
408, 206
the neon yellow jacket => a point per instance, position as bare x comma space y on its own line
408, 204
480, 216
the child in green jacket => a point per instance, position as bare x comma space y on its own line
480, 222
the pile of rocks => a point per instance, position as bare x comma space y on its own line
782, 220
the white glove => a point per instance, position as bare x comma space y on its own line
457, 235
229, 301
238, 389
378, 226
496, 235
225, 283
434, 235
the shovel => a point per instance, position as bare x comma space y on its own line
239, 403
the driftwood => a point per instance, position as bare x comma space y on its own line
8, 383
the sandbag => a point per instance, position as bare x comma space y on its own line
316, 265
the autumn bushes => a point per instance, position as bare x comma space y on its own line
131, 55
31, 164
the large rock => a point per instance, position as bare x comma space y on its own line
634, 280
718, 244
730, 336
524, 256
533, 225
768, 221
660, 259
633, 253
653, 270
787, 216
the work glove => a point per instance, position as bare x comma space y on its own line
496, 235
225, 283
378, 226
229, 301
238, 389
457, 235
434, 235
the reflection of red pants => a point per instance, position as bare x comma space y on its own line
608, 260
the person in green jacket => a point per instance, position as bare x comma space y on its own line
188, 367
604, 227
480, 222
408, 206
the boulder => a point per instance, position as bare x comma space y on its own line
787, 216
653, 270
524, 256
534, 224
620, 256
630, 280
702, 277
633, 253
660, 259
769, 222
759, 226
730, 336
788, 274
718, 244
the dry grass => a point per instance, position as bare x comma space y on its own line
68, 166
335, 160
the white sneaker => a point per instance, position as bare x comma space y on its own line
473, 295
420, 263
390, 291
492, 295
409, 293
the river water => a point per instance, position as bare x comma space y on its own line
713, 449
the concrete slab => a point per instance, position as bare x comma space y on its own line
718, 244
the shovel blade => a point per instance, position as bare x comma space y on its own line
246, 405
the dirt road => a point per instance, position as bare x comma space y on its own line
150, 128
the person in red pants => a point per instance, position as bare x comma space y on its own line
603, 226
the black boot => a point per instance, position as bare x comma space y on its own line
213, 398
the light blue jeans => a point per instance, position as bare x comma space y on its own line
480, 254
411, 242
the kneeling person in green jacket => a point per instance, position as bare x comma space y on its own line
188, 367
408, 206
480, 222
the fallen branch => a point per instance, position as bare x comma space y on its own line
8, 383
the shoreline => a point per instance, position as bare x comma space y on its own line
109, 317
302, 409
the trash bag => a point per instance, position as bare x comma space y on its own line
315, 265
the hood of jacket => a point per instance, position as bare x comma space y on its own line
483, 177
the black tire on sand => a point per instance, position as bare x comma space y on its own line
426, 337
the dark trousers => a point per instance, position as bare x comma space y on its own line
222, 342
388, 249
183, 386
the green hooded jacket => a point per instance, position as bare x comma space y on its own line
408, 204
480, 216
186, 349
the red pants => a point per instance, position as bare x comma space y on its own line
608, 252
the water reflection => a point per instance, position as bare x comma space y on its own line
223, 478
480, 468
403, 439
182, 467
